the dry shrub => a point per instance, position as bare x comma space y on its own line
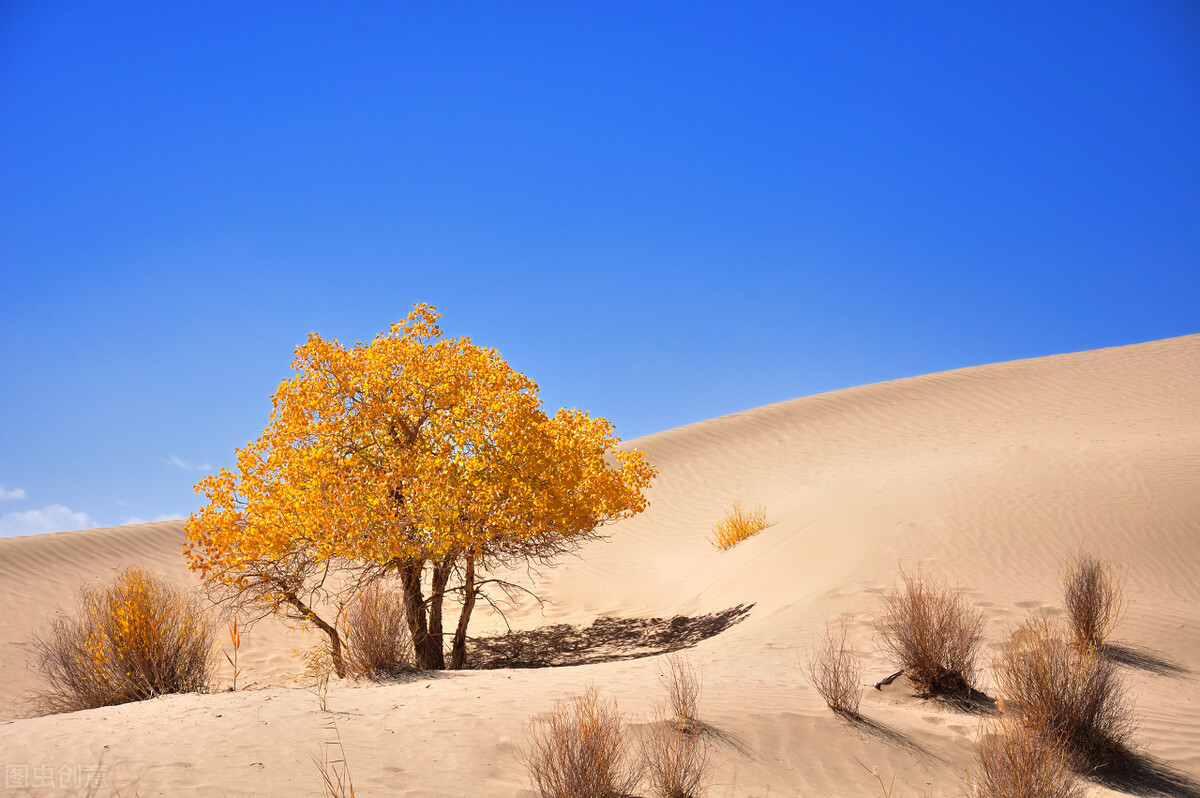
739, 524
675, 751
676, 759
1075, 693
834, 671
682, 682
580, 751
136, 638
377, 638
1023, 760
932, 634
1093, 594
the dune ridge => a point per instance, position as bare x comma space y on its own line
990, 476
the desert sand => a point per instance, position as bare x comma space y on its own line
990, 477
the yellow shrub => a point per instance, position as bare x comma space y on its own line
135, 638
739, 524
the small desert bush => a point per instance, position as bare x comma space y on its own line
676, 759
1092, 592
377, 639
739, 524
933, 634
1022, 760
133, 639
1075, 693
675, 752
580, 751
682, 682
834, 671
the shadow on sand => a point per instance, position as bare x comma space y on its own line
1139, 774
1143, 659
975, 702
970, 700
725, 738
606, 640
881, 731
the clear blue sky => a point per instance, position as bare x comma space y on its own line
662, 212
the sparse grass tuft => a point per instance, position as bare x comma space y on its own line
376, 635
1075, 693
335, 771
318, 667
933, 634
580, 750
1019, 759
1093, 595
136, 638
888, 788
235, 640
834, 671
739, 524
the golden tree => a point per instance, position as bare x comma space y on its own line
419, 455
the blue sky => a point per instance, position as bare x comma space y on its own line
662, 212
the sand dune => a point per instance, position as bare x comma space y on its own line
990, 476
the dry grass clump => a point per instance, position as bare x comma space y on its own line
834, 671
1093, 595
1023, 760
1075, 693
377, 638
932, 634
580, 750
136, 638
739, 524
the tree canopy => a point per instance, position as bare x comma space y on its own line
414, 455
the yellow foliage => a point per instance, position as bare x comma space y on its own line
135, 638
411, 449
739, 524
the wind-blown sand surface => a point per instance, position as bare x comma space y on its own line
990, 476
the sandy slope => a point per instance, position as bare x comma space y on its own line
990, 476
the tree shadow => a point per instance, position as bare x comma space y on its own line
1143, 659
608, 639
403, 676
1141, 774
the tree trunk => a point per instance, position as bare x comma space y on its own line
335, 639
414, 612
458, 649
441, 575
335, 652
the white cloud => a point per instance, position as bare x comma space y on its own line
54, 518
15, 493
179, 462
